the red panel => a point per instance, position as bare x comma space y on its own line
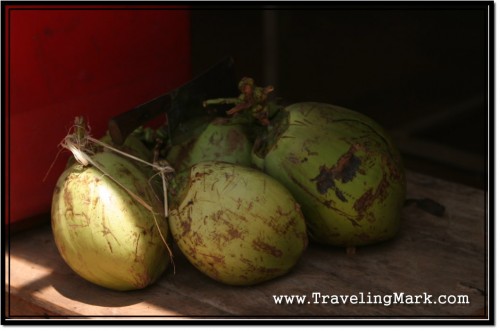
67, 62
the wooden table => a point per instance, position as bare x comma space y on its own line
434, 255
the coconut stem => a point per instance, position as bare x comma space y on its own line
268, 138
80, 130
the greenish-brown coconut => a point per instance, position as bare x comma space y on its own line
218, 140
236, 224
102, 232
343, 169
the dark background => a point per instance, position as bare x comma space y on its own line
420, 72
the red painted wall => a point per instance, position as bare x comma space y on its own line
67, 61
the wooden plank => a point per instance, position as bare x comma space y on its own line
441, 153
406, 137
434, 255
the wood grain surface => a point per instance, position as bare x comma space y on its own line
435, 255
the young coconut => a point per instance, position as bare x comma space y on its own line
342, 168
236, 224
219, 140
110, 236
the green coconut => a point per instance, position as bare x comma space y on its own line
236, 224
104, 233
219, 140
343, 169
